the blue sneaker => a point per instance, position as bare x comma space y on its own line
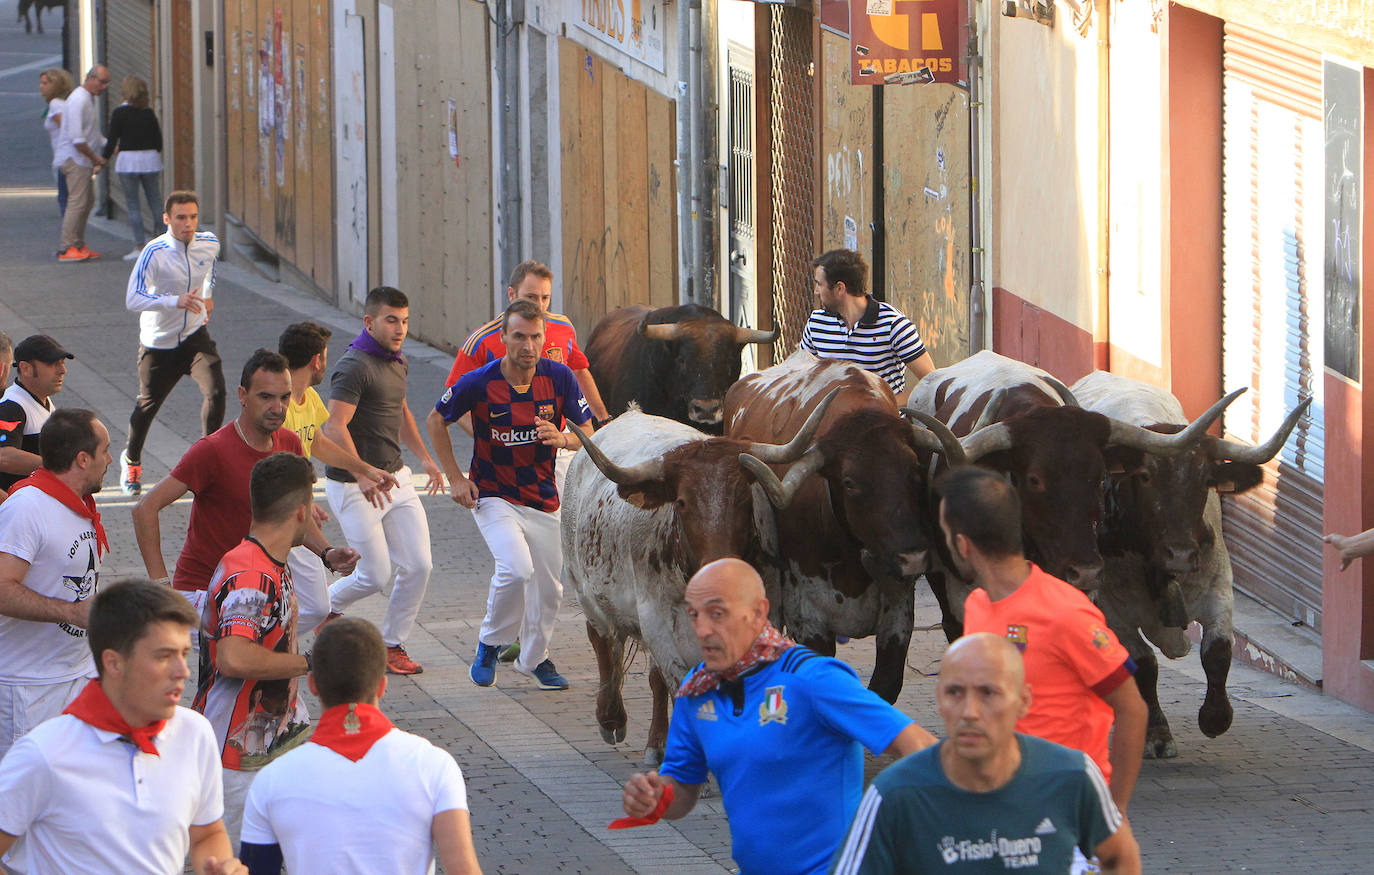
546, 674
483, 668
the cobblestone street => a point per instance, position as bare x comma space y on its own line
1289, 788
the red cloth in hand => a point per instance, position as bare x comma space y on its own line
654, 816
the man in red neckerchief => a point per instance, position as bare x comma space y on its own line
51, 544
124, 780
322, 807
249, 659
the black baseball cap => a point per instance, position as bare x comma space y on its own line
41, 348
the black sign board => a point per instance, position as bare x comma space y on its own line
1342, 110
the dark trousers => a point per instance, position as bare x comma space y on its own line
160, 369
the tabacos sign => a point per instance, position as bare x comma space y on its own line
908, 41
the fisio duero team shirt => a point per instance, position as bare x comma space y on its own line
508, 461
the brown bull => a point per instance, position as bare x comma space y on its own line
675, 361
852, 532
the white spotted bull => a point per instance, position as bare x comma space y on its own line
1166, 562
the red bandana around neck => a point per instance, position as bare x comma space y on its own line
82, 507
95, 708
351, 730
768, 647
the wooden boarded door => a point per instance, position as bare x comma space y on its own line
350, 143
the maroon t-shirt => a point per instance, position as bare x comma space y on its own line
217, 469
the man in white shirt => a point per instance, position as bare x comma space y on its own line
81, 126
125, 780
322, 806
51, 545
172, 289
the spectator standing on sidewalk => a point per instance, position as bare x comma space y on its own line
518, 404
303, 809
125, 780
172, 288
51, 546
54, 84
368, 417
305, 345
135, 141
41, 364
217, 470
81, 126
250, 661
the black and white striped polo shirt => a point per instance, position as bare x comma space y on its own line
883, 341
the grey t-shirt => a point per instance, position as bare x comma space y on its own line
377, 387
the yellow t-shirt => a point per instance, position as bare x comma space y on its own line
307, 418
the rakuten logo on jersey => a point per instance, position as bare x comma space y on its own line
513, 437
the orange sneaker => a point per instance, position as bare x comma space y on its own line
89, 254
398, 662
73, 254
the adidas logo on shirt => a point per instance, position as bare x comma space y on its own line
707, 711
1045, 828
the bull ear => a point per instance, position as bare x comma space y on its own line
1235, 477
648, 495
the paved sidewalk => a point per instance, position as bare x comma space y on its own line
1287, 789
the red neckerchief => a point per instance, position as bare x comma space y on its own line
654, 816
82, 507
351, 730
768, 647
95, 708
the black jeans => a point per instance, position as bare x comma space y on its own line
159, 370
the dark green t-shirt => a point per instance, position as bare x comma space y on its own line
377, 387
912, 819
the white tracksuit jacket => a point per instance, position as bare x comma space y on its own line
167, 269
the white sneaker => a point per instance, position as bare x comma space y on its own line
133, 256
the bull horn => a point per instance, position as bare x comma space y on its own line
1133, 436
754, 335
1231, 451
651, 469
664, 331
780, 454
986, 440
990, 411
1064, 394
936, 436
780, 493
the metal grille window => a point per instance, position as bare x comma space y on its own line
793, 145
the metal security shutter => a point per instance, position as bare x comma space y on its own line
793, 143
1272, 298
130, 35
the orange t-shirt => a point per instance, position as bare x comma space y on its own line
1072, 659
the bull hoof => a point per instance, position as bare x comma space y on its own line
653, 757
1162, 748
1215, 718
613, 734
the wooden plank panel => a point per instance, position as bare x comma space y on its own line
661, 204
926, 197
233, 49
267, 97
846, 152
249, 131
611, 290
631, 256
300, 135
570, 57
474, 177
587, 266
415, 122
321, 147
284, 143
183, 157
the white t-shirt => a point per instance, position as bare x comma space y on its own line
64, 563
52, 123
84, 801
327, 812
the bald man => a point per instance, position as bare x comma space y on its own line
987, 798
780, 726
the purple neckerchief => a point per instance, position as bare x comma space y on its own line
365, 342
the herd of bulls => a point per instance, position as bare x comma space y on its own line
819, 480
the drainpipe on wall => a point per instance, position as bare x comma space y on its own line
220, 72
511, 245
697, 147
686, 258
1102, 324
977, 298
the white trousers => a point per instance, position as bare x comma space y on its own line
236, 784
24, 706
311, 580
394, 537
526, 589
